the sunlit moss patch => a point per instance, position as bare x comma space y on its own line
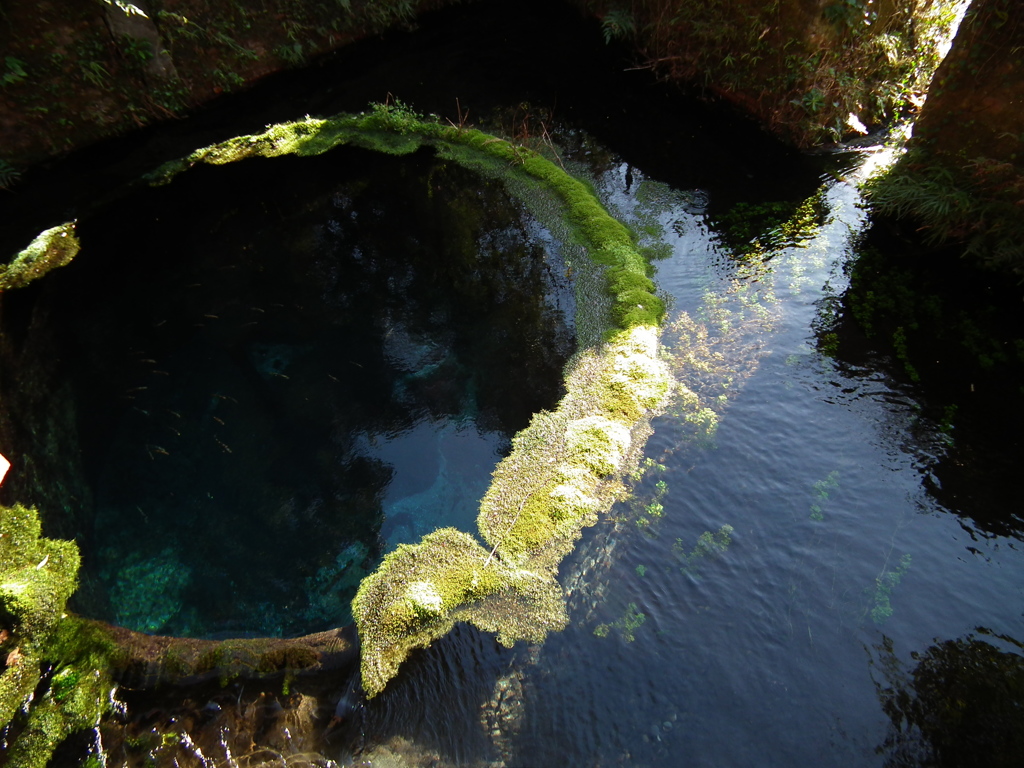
37, 575
398, 130
420, 591
52, 248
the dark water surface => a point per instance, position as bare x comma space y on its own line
788, 586
285, 369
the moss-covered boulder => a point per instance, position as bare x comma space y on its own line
420, 591
37, 576
53, 248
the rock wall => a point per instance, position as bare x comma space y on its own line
73, 73
801, 67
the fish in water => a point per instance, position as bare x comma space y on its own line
351, 701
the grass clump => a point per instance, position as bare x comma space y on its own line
974, 204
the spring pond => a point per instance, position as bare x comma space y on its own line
788, 584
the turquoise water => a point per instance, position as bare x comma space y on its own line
810, 560
276, 392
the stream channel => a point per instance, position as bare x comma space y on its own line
787, 585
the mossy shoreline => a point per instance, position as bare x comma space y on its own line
564, 470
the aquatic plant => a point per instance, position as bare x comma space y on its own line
822, 490
626, 625
710, 546
885, 583
760, 230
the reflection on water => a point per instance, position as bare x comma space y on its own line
285, 369
957, 703
783, 523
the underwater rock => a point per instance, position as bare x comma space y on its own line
147, 592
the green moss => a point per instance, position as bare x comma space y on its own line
52, 248
411, 599
37, 575
565, 468
286, 658
395, 129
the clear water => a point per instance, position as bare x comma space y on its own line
284, 370
863, 539
772, 650
782, 566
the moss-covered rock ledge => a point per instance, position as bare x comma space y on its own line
59, 672
565, 467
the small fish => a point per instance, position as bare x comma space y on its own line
158, 449
225, 397
333, 378
213, 317
223, 445
162, 373
147, 360
175, 414
219, 420
279, 375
